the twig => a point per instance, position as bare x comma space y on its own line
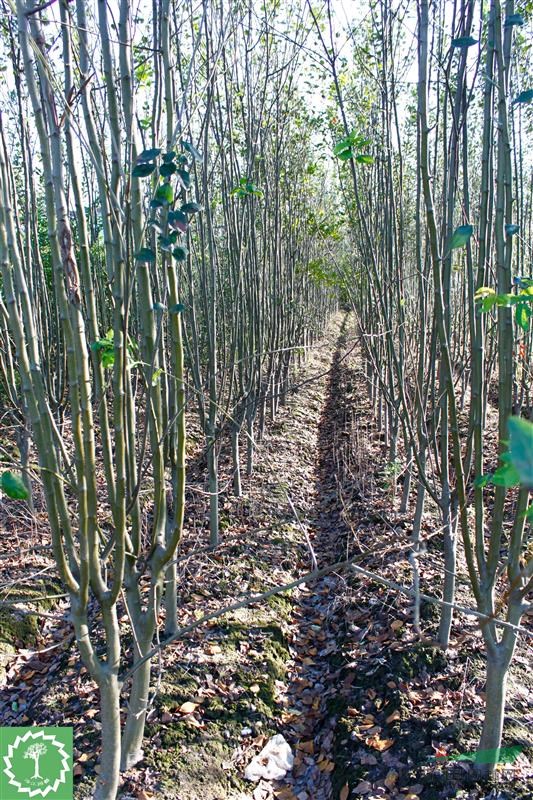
311, 577
314, 562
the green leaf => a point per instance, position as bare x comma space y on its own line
522, 315
159, 307
191, 149
106, 348
142, 170
488, 303
145, 254
185, 178
464, 41
483, 291
156, 204
363, 158
178, 220
168, 157
191, 208
166, 242
513, 19
148, 155
511, 230
180, 253
13, 486
483, 480
156, 376
506, 476
461, 235
165, 194
166, 170
342, 146
177, 309
524, 97
521, 449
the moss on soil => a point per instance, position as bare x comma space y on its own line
189, 760
18, 629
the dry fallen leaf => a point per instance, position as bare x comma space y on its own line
397, 624
307, 747
390, 780
213, 649
344, 792
363, 788
194, 722
188, 708
255, 688
379, 744
285, 793
394, 716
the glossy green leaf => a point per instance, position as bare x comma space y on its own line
513, 19
165, 193
142, 170
191, 149
166, 170
464, 41
483, 480
511, 230
168, 157
342, 147
522, 315
506, 476
13, 486
363, 158
180, 253
461, 235
524, 97
148, 155
191, 208
483, 291
145, 254
178, 220
521, 449
185, 178
166, 242
488, 303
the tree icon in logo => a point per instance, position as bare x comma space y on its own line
37, 762
35, 751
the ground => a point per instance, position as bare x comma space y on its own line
370, 708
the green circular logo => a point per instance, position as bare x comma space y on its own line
37, 764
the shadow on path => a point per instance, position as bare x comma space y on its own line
319, 613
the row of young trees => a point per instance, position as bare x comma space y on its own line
442, 224
166, 231
159, 209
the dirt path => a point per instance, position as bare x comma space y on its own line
318, 622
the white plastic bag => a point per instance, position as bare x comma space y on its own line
272, 763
